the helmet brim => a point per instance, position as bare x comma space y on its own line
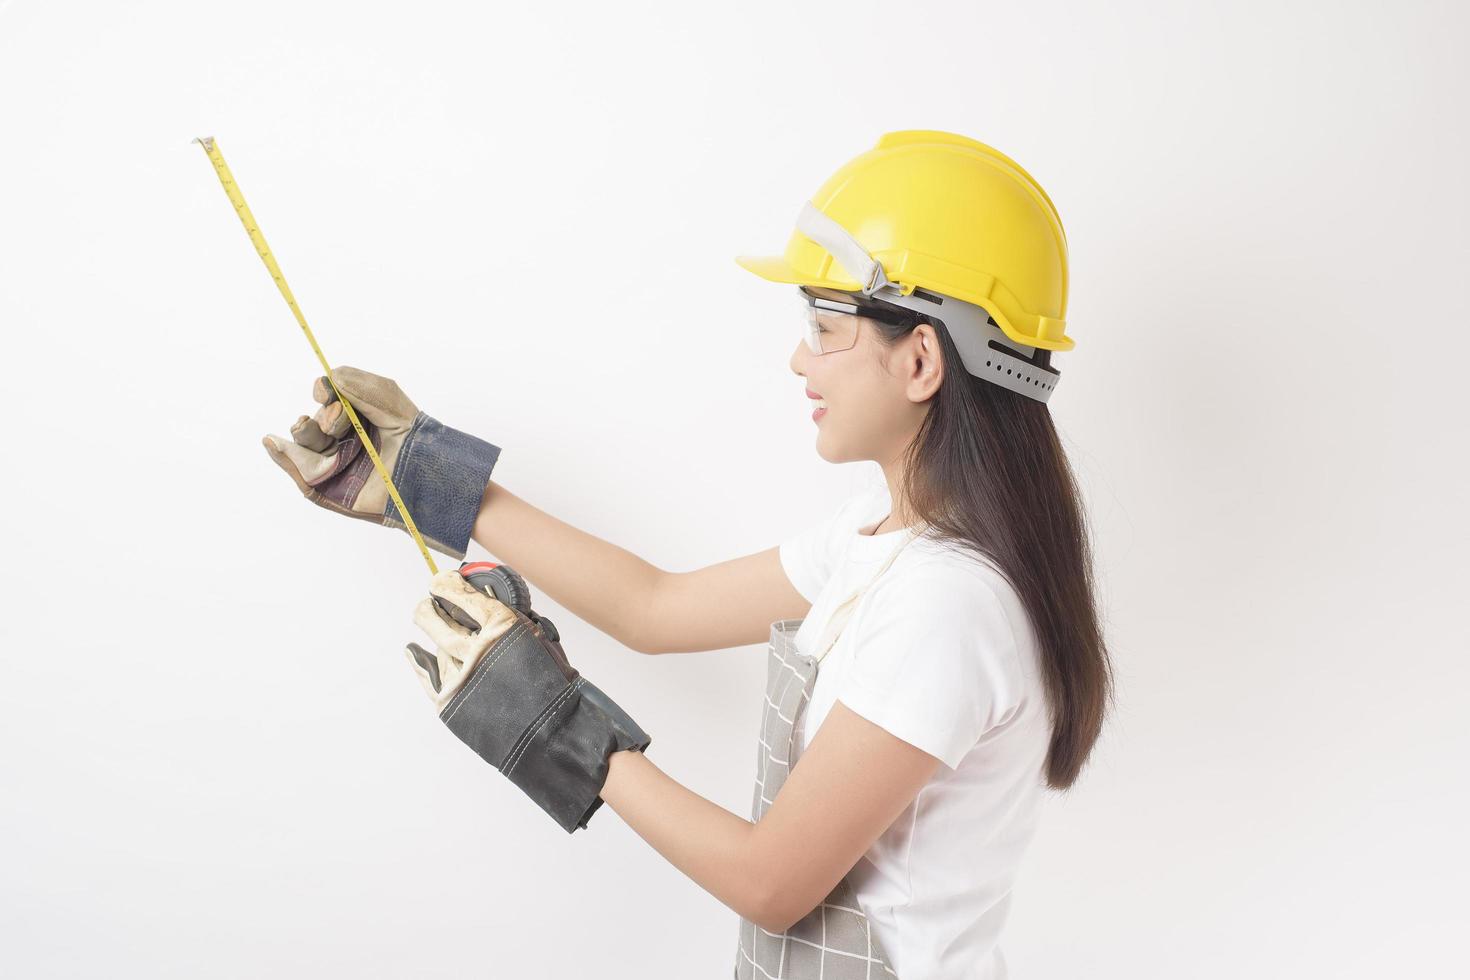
775, 268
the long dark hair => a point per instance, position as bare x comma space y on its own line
987, 472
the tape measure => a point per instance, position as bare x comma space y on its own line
227, 180
504, 584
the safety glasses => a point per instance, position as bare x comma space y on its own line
832, 325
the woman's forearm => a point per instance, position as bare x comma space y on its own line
607, 586
711, 845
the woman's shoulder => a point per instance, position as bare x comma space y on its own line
954, 561
940, 635
955, 579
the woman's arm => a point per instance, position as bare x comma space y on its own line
638, 604
711, 845
853, 781
607, 586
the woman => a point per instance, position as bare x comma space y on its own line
934, 656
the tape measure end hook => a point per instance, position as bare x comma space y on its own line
205, 141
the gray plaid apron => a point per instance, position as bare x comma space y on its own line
835, 941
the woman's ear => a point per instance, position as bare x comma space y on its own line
922, 362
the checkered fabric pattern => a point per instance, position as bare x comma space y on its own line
835, 941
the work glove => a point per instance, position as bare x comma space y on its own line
502, 683
441, 473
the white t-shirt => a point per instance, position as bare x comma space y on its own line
940, 652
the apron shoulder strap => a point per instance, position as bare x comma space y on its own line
845, 609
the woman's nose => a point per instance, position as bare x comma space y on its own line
798, 358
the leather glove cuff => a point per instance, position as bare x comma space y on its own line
549, 733
442, 474
563, 760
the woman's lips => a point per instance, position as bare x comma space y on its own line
818, 413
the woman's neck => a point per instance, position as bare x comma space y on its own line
897, 511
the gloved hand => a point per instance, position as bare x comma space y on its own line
440, 472
502, 683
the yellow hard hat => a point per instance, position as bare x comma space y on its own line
943, 213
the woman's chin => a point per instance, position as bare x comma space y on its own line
829, 452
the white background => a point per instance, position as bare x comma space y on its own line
215, 761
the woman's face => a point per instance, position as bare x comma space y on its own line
875, 396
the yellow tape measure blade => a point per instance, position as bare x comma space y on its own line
252, 228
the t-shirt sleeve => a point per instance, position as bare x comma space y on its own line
809, 558
933, 659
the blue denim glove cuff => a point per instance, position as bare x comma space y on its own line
442, 474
